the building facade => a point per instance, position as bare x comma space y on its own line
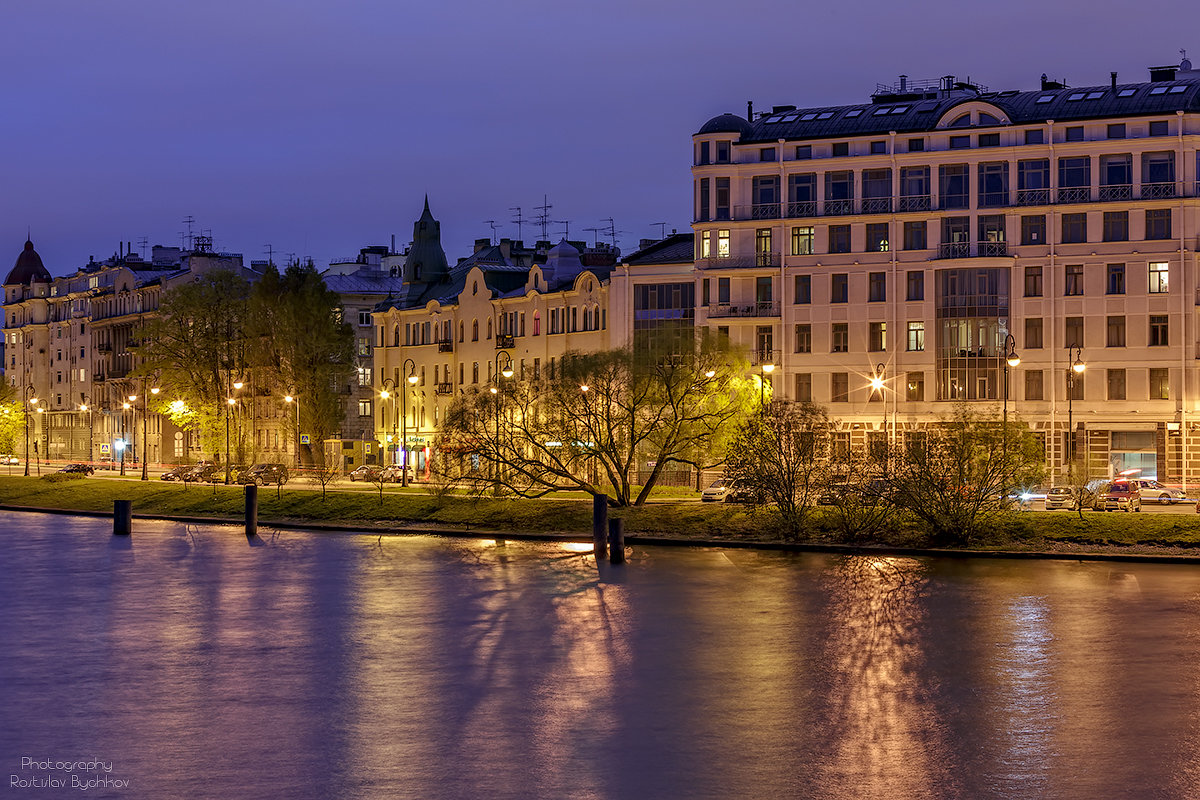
880, 256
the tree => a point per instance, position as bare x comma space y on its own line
12, 418
781, 456
303, 346
196, 347
955, 475
591, 424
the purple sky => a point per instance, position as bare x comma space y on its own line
317, 127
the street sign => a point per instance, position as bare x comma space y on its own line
104, 447
304, 438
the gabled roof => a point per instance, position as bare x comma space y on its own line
678, 248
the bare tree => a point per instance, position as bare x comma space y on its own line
865, 507
781, 456
590, 425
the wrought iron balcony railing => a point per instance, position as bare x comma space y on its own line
1033, 197
445, 387
504, 340
914, 202
965, 250
756, 309
1074, 194
446, 346
1116, 191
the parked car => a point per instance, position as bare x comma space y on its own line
1062, 497
832, 494
9, 458
177, 473
366, 472
393, 473
717, 491
1121, 495
1153, 490
202, 472
78, 469
262, 474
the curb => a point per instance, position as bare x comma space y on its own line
658, 541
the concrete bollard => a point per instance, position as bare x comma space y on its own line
251, 510
616, 541
122, 517
600, 525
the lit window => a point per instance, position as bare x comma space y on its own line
1158, 277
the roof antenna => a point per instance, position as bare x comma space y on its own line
543, 219
142, 244
594, 231
492, 223
518, 220
662, 229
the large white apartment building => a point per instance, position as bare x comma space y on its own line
905, 239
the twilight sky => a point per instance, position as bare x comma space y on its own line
317, 127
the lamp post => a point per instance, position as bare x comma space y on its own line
1011, 359
386, 395
145, 418
877, 384
1076, 368
83, 407
409, 368
230, 402
293, 399
768, 366
507, 372
124, 441
28, 402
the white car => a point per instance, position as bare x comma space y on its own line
1153, 491
717, 492
9, 458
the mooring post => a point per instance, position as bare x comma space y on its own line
600, 525
251, 510
122, 517
616, 541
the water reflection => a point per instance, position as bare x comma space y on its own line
315, 666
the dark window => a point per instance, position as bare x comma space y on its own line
993, 183
841, 149
876, 287
914, 236
1035, 136
877, 337
841, 337
803, 289
989, 140
1033, 333
1158, 223
1033, 181
704, 157
1116, 279
703, 203
960, 142
953, 186
1158, 174
839, 387
802, 194
1116, 226
1033, 229
1116, 131
1074, 228
722, 198
839, 287
1074, 332
723, 152
878, 147
1074, 385
916, 285
877, 237
1116, 381
723, 290
1158, 128
803, 152
804, 338
1159, 328
918, 145
1073, 285
1033, 385
839, 238
1116, 177
1115, 336
1074, 134
804, 387
766, 154
1160, 378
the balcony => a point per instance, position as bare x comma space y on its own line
1033, 197
1157, 191
763, 356
1116, 191
914, 202
965, 250
838, 208
104, 347
764, 211
97, 377
444, 388
446, 346
1074, 194
802, 208
730, 310
877, 205
504, 341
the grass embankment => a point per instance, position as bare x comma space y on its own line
416, 510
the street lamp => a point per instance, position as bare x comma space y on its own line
124, 442
1076, 368
290, 399
409, 368
507, 372
877, 384
1011, 359
86, 410
145, 418
36, 451
767, 369
230, 402
386, 395
28, 402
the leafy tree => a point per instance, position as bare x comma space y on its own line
305, 348
954, 476
196, 347
591, 424
781, 457
12, 418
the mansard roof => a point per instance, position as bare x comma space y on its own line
922, 112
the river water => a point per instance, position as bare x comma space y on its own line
195, 664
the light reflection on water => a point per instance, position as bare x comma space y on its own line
317, 666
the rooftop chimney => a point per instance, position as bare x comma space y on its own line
750, 110
1114, 79
903, 83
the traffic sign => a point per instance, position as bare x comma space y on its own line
304, 438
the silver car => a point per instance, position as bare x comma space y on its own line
1152, 490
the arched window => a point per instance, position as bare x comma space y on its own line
962, 122
396, 336
460, 331
489, 327
987, 119
475, 330
537, 323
